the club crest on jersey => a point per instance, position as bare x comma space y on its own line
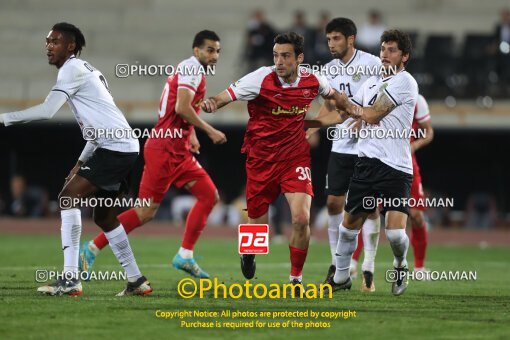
356, 77
306, 93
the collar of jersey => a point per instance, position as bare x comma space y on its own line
71, 57
388, 78
195, 60
350, 60
284, 84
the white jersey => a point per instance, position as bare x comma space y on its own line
349, 78
391, 143
90, 100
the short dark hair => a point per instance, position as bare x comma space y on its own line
343, 25
201, 36
401, 38
72, 32
292, 38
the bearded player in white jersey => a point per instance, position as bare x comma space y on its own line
103, 165
385, 104
347, 72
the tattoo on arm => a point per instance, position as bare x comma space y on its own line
383, 105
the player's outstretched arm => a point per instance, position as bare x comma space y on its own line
184, 109
328, 115
212, 104
46, 110
311, 131
344, 105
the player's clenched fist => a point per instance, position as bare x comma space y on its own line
194, 144
354, 111
209, 105
217, 136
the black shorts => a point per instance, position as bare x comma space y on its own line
108, 170
340, 170
373, 179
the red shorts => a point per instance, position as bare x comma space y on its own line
266, 180
416, 188
161, 170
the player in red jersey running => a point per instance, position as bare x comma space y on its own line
421, 122
278, 154
170, 161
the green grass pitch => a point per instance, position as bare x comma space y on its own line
443, 309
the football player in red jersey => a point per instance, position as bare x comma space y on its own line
421, 122
170, 160
278, 155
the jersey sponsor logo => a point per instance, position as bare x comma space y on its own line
293, 111
253, 238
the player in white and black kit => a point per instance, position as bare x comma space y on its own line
384, 169
347, 72
103, 165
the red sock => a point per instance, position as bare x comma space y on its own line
359, 248
419, 243
129, 220
205, 192
297, 260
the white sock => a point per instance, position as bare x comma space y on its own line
370, 233
347, 242
186, 253
70, 232
399, 244
300, 278
333, 225
354, 264
93, 248
122, 250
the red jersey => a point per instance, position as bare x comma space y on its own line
277, 110
189, 75
421, 114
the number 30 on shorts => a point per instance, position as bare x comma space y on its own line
304, 173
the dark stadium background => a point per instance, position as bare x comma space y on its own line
457, 163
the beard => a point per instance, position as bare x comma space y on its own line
391, 69
339, 55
